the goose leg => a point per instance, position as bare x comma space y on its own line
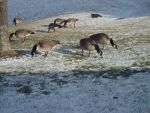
46, 53
48, 30
103, 46
89, 54
82, 53
23, 39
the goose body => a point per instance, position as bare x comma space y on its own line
102, 38
44, 45
17, 20
95, 15
59, 21
90, 45
52, 26
70, 22
21, 34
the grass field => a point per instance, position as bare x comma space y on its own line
66, 82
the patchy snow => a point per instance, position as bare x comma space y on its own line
64, 82
66, 92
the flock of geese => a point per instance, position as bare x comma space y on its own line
45, 45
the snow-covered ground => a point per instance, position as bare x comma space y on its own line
65, 82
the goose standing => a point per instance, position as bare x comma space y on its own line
90, 45
102, 38
21, 34
44, 45
52, 26
59, 21
70, 22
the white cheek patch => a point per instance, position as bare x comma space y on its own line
28, 35
56, 27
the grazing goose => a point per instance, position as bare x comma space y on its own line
102, 38
20, 34
52, 26
17, 20
70, 22
90, 45
59, 21
44, 45
96, 15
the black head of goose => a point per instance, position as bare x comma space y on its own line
20, 34
44, 45
90, 45
102, 38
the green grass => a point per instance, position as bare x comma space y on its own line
61, 34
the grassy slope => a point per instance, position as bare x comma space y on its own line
131, 35
65, 82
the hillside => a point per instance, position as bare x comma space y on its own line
66, 82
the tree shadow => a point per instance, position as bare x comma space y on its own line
11, 53
25, 82
67, 49
42, 31
45, 26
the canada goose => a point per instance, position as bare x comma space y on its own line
102, 38
17, 20
96, 15
70, 21
59, 21
53, 26
20, 34
44, 45
90, 45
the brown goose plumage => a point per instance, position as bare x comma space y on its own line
21, 34
59, 21
70, 22
90, 45
52, 26
44, 45
102, 38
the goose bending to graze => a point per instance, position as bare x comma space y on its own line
96, 15
44, 45
17, 20
70, 22
102, 38
21, 34
59, 21
90, 45
52, 26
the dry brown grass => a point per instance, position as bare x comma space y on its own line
10, 53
